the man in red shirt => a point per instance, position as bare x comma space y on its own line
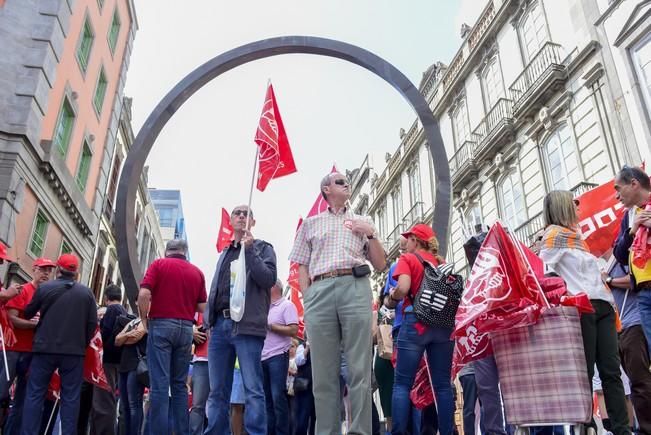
19, 355
171, 292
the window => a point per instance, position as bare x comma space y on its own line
642, 60
113, 186
84, 167
166, 216
492, 85
561, 159
39, 231
382, 221
100, 91
144, 249
415, 193
85, 44
396, 202
460, 124
513, 207
65, 247
533, 31
472, 220
100, 4
114, 31
63, 129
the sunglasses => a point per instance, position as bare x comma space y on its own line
244, 213
341, 182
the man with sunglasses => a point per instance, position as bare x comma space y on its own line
243, 339
332, 250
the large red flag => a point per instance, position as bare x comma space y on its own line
93, 367
225, 236
600, 214
275, 155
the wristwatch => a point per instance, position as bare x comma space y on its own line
609, 280
371, 237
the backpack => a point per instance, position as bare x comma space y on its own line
438, 296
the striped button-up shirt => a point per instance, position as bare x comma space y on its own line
326, 242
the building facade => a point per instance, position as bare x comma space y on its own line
169, 209
527, 105
63, 65
148, 234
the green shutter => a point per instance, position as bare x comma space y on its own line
84, 167
85, 44
100, 91
63, 129
114, 31
37, 241
65, 248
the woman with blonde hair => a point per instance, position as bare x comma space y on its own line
415, 338
565, 252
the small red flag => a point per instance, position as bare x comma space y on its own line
275, 155
225, 236
93, 367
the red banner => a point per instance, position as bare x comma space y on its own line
600, 215
93, 368
225, 236
275, 155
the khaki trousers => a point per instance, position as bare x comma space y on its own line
338, 317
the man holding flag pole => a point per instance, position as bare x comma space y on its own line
239, 298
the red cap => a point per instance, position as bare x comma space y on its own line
421, 231
3, 252
68, 262
44, 262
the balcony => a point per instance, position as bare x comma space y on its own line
544, 75
391, 242
582, 188
526, 231
462, 163
495, 129
413, 216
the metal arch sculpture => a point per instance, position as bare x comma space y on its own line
128, 185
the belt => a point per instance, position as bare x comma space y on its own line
643, 285
333, 274
226, 314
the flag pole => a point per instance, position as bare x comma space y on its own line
255, 164
4, 353
54, 408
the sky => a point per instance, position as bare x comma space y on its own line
333, 111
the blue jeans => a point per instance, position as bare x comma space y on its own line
436, 342
200, 390
169, 346
222, 350
71, 369
275, 391
15, 417
644, 305
131, 392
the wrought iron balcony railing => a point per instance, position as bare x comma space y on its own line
394, 236
462, 156
414, 215
548, 57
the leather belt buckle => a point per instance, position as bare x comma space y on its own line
226, 313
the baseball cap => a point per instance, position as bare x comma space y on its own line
3, 252
44, 262
421, 231
68, 262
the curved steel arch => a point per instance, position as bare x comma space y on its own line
126, 197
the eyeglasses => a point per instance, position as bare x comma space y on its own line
244, 213
341, 182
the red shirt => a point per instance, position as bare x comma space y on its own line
201, 350
24, 337
409, 264
176, 286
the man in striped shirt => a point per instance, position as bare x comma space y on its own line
332, 250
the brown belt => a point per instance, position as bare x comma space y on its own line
333, 274
643, 285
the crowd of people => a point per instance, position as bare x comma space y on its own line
182, 365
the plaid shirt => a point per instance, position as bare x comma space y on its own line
326, 243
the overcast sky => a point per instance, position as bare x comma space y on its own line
333, 111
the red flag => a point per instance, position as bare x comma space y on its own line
93, 368
296, 295
225, 236
54, 388
275, 155
600, 214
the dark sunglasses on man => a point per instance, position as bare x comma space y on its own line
244, 213
341, 182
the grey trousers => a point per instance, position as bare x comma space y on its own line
104, 413
338, 316
487, 380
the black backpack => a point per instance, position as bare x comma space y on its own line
439, 295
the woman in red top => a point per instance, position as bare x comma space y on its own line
415, 338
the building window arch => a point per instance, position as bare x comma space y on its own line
561, 158
460, 123
492, 82
512, 201
532, 30
396, 206
472, 220
415, 191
